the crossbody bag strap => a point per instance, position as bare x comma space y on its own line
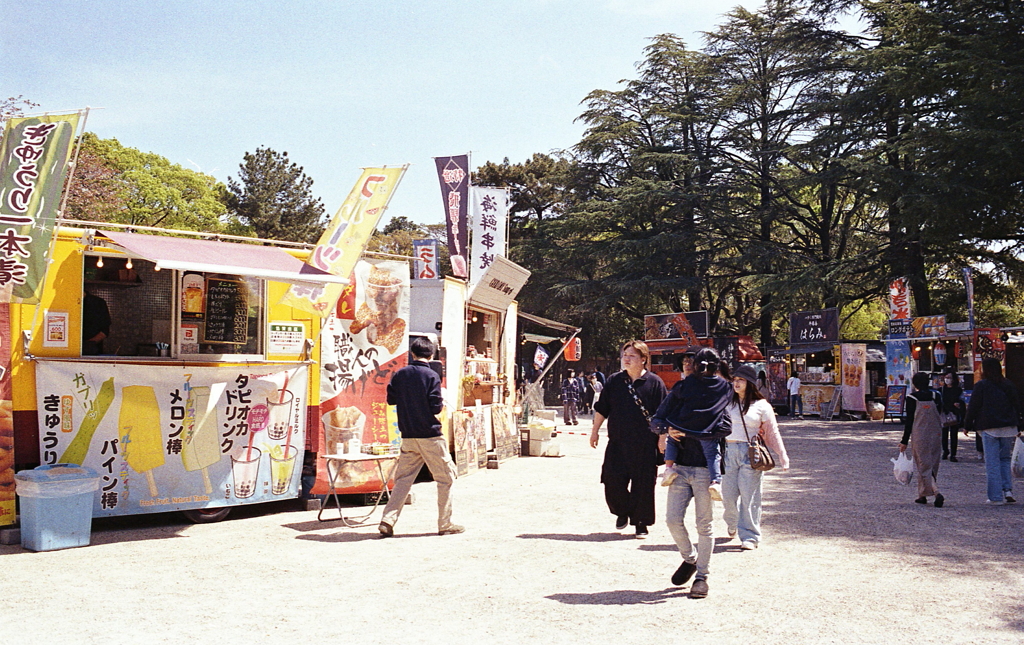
744, 422
636, 397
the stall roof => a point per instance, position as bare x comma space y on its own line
550, 324
537, 338
209, 256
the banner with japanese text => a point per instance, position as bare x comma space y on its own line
899, 299
169, 438
425, 252
854, 375
453, 173
358, 356
345, 238
988, 343
33, 164
817, 326
7, 504
489, 210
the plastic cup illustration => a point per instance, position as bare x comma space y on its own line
280, 406
201, 443
141, 438
343, 430
282, 465
245, 470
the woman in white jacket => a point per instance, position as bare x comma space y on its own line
741, 485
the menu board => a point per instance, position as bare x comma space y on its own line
227, 312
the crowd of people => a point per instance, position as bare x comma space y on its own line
707, 420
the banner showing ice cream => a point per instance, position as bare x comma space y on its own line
363, 345
169, 438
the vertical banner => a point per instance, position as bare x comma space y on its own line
33, 164
358, 357
489, 209
897, 362
969, 285
453, 172
777, 378
175, 438
343, 241
899, 299
425, 252
988, 343
6, 419
854, 375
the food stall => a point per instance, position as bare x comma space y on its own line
196, 393
477, 332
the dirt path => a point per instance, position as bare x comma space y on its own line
847, 558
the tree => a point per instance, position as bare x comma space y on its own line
272, 198
13, 106
114, 183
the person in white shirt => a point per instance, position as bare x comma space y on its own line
741, 485
795, 400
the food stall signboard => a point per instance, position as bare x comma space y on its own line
821, 326
895, 399
169, 438
688, 325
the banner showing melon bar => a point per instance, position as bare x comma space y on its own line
33, 163
346, 236
362, 346
176, 438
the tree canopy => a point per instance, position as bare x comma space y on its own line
272, 198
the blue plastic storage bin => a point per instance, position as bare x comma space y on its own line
56, 506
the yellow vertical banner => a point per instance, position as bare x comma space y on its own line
346, 236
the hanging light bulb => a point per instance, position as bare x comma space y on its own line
128, 264
99, 261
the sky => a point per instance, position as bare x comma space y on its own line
337, 85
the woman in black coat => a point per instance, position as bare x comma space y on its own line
952, 401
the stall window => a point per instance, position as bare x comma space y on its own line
481, 334
129, 308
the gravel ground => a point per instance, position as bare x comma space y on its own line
847, 557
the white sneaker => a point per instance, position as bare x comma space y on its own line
716, 491
731, 532
748, 545
999, 503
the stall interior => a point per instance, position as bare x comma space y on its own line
216, 314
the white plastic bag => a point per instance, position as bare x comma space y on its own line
1017, 460
903, 468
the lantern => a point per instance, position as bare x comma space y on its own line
574, 350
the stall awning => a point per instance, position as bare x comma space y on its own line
550, 324
208, 256
874, 356
810, 348
747, 350
537, 338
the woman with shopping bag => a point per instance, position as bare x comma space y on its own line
923, 431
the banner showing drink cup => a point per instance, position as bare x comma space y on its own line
346, 236
33, 164
425, 252
453, 172
489, 209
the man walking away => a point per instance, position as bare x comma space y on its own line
416, 391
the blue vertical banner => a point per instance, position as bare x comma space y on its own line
969, 284
425, 252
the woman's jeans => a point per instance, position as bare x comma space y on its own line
796, 401
998, 451
741, 492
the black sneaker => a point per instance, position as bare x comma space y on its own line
939, 500
386, 530
921, 500
641, 531
954, 459
683, 573
621, 522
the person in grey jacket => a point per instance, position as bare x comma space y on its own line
995, 412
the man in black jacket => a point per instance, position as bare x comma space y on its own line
416, 391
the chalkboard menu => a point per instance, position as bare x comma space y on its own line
227, 312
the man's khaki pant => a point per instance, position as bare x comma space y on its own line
415, 452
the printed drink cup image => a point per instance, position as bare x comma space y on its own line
343, 430
281, 468
245, 470
201, 443
141, 439
280, 406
